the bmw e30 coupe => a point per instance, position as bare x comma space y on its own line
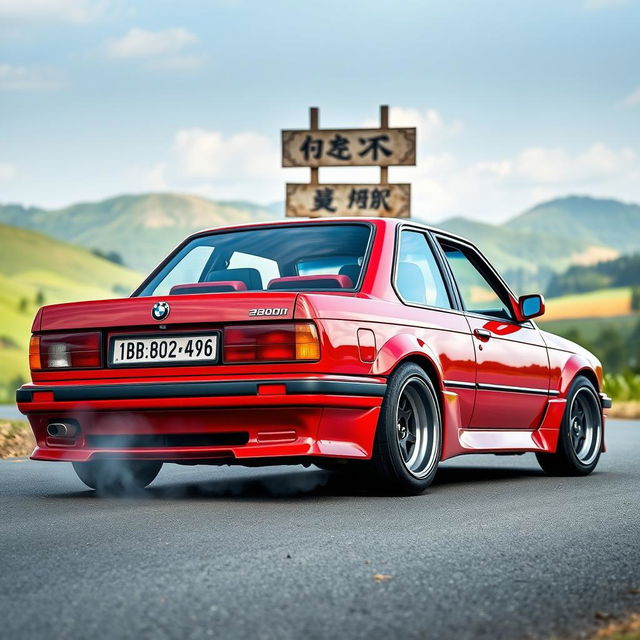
379, 345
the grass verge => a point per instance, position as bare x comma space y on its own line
16, 439
627, 629
626, 410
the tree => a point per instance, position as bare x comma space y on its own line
40, 299
22, 305
635, 298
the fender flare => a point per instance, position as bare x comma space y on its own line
404, 346
574, 366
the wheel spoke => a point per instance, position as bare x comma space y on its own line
403, 448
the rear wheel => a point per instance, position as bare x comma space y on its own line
580, 439
117, 476
408, 442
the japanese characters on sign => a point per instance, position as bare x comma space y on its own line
325, 200
315, 148
349, 147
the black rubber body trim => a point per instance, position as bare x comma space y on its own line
606, 401
142, 391
456, 384
162, 440
23, 395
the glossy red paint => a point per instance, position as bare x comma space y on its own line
502, 383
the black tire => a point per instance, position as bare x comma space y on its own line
410, 409
117, 476
580, 438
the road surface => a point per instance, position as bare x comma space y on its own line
493, 550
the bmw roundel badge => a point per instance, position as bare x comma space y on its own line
160, 310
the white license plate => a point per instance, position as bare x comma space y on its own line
167, 349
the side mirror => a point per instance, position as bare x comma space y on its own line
530, 306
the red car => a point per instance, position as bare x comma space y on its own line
380, 345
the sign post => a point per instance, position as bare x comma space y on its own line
315, 148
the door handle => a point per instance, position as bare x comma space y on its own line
482, 334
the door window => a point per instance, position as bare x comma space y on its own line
478, 294
418, 278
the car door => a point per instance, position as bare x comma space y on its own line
429, 310
512, 365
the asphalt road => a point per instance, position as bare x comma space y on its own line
493, 550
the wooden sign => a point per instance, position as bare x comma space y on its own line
326, 200
348, 147
315, 148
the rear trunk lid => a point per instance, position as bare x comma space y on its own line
214, 308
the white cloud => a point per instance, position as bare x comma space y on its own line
430, 124
7, 172
77, 11
209, 154
493, 190
633, 99
16, 78
161, 49
155, 178
557, 166
247, 165
603, 4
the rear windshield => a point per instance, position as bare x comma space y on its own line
297, 258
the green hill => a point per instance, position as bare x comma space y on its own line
513, 248
36, 269
593, 221
529, 249
527, 259
622, 272
141, 228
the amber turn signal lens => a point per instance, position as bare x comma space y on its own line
281, 342
307, 344
34, 353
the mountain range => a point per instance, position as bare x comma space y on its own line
528, 248
140, 228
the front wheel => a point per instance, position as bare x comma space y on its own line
408, 442
580, 438
117, 476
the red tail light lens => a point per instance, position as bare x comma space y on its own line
66, 350
271, 343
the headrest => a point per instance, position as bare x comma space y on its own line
249, 276
352, 271
207, 287
311, 283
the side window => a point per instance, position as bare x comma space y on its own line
478, 295
418, 278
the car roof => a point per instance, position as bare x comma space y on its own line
387, 222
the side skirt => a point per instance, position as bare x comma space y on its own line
460, 441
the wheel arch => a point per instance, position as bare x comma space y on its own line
576, 366
590, 375
427, 366
404, 348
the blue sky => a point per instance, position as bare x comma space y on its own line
515, 102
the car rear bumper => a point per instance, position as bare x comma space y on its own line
226, 420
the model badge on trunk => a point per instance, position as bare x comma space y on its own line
160, 310
269, 311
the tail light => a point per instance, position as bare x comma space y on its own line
66, 350
271, 343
